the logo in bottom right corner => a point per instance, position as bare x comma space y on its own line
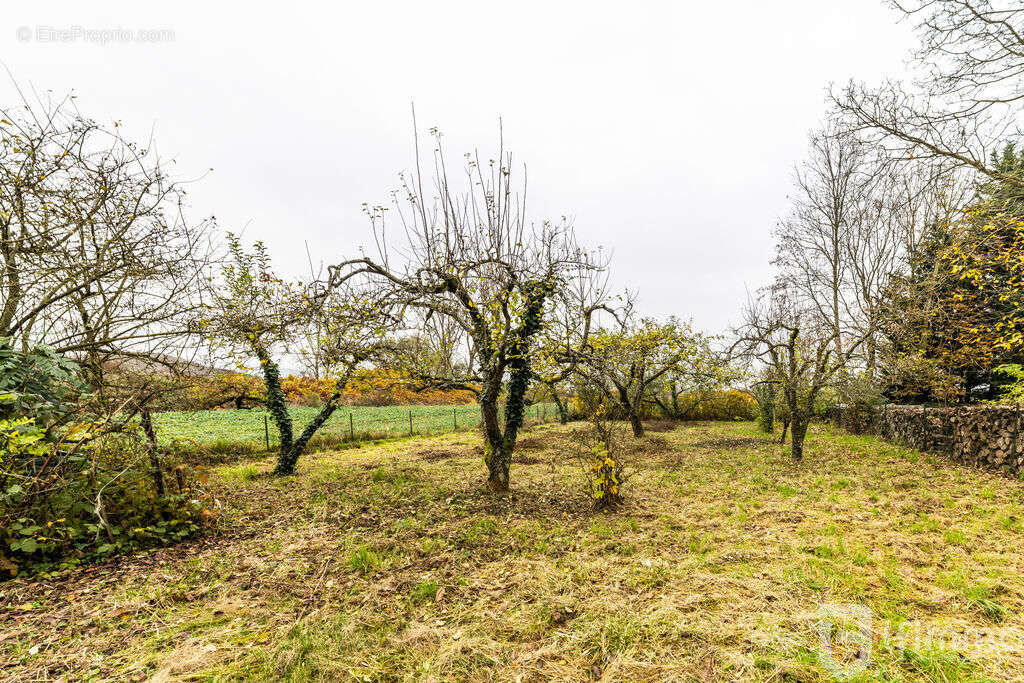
844, 639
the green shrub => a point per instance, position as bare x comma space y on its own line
764, 394
60, 506
71, 487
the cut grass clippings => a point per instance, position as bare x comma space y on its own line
391, 562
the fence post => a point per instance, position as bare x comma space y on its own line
455, 419
410, 422
351, 428
266, 431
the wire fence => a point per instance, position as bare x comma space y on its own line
356, 423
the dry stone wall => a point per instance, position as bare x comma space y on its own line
985, 436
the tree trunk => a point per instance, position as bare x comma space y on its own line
871, 356
496, 458
286, 461
632, 412
797, 439
278, 409
12, 273
636, 423
154, 453
499, 465
515, 405
785, 427
563, 410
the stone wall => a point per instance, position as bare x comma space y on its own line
985, 436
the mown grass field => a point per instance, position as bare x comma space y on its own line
366, 422
390, 562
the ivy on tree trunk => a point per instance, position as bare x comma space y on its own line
500, 444
291, 447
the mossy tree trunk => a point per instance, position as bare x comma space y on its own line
291, 447
277, 406
500, 443
796, 440
631, 409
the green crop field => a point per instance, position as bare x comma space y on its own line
359, 422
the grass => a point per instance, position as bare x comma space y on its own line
233, 432
391, 562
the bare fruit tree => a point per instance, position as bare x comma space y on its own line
470, 255
630, 360
796, 350
562, 344
253, 314
97, 258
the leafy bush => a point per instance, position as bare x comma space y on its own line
88, 504
599, 453
38, 385
70, 487
368, 387
1011, 377
727, 404
373, 387
730, 404
764, 394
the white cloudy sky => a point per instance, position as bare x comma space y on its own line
668, 130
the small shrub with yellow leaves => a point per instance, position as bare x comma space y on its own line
602, 459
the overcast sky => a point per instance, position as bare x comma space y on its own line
667, 131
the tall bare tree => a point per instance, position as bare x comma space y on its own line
472, 256
968, 93
814, 241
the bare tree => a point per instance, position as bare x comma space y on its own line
97, 257
471, 256
857, 222
971, 62
797, 351
826, 220
562, 344
254, 314
872, 250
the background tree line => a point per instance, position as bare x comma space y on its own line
898, 263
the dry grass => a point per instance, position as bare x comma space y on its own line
390, 563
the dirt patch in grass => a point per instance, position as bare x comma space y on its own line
532, 443
649, 444
730, 443
546, 437
436, 454
523, 459
658, 426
